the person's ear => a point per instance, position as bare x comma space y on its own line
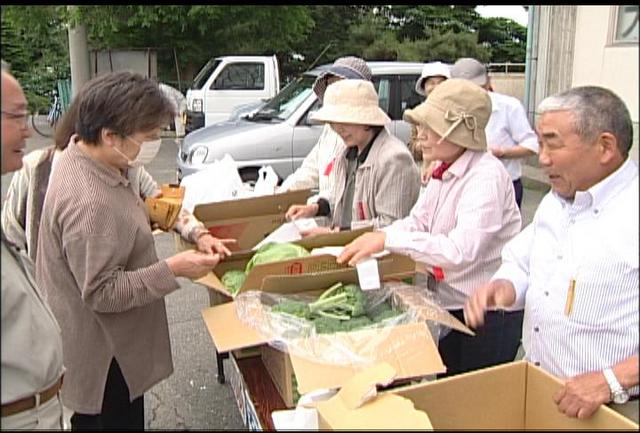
109, 137
608, 147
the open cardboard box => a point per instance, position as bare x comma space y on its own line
512, 396
303, 265
409, 348
248, 220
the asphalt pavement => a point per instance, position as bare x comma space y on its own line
191, 398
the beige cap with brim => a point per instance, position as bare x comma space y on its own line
458, 111
351, 101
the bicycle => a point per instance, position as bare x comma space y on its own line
53, 116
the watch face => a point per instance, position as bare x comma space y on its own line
620, 397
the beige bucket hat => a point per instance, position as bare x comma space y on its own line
351, 101
458, 111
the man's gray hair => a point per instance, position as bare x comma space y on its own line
5, 66
595, 110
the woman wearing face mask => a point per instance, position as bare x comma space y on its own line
22, 209
96, 259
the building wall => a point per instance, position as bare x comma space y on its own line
599, 62
511, 84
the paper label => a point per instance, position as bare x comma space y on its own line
368, 275
287, 232
304, 224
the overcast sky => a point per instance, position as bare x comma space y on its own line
516, 13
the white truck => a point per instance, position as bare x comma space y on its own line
226, 82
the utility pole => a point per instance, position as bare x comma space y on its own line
78, 54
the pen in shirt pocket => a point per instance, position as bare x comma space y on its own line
571, 293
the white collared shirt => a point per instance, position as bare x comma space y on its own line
508, 126
460, 225
593, 240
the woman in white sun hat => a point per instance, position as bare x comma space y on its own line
433, 73
374, 177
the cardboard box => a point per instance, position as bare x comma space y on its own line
303, 265
165, 210
248, 220
409, 348
513, 396
278, 365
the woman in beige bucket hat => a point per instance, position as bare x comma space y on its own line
374, 177
459, 225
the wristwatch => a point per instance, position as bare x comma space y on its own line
619, 395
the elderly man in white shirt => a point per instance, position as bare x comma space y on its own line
459, 225
509, 134
575, 268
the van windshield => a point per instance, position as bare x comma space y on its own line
204, 74
285, 103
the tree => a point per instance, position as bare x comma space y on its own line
34, 42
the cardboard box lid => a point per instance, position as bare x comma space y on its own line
409, 349
317, 264
514, 396
244, 207
358, 404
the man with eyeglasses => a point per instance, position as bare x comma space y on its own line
32, 345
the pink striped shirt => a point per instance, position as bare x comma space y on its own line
460, 225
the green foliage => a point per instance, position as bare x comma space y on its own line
35, 43
35, 39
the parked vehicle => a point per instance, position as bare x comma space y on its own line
226, 82
280, 133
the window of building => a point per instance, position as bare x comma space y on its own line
626, 24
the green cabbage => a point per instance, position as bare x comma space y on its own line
233, 280
274, 252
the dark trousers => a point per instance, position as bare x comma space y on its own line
118, 413
517, 187
496, 342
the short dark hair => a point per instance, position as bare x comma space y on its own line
595, 110
124, 102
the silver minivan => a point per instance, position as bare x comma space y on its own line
280, 134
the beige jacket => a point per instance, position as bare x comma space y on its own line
387, 182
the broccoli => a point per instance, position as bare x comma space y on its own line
340, 302
292, 308
327, 325
233, 280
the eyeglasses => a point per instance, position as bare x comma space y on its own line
21, 117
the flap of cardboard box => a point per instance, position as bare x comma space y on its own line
408, 348
244, 207
357, 406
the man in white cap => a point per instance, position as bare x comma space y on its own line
433, 73
316, 168
459, 225
509, 134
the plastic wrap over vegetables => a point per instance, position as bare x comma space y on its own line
341, 324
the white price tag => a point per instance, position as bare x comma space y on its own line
368, 275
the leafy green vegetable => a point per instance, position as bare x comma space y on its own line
233, 280
340, 308
273, 252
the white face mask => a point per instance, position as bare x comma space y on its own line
148, 151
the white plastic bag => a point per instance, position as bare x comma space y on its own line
218, 182
267, 181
